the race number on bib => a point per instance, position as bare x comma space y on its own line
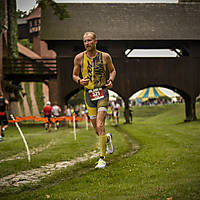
96, 94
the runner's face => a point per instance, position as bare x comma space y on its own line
89, 42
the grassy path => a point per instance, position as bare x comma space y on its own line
24, 178
165, 168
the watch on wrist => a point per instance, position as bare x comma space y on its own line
79, 81
111, 80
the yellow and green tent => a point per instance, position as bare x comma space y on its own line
150, 93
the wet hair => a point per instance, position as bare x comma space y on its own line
92, 33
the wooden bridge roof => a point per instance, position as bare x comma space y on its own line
125, 21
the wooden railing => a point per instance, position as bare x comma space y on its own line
29, 70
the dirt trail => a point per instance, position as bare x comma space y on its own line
35, 175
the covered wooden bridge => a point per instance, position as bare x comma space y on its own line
123, 26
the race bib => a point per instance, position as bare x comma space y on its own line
96, 94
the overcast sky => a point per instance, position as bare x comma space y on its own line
26, 5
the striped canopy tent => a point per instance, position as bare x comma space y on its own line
112, 95
150, 93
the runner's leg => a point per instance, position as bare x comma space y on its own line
101, 115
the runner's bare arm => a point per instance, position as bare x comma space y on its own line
77, 69
111, 69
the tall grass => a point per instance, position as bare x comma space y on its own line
165, 167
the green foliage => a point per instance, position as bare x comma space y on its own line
59, 9
26, 43
39, 96
23, 14
77, 99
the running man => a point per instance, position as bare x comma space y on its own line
4, 105
48, 111
93, 65
56, 113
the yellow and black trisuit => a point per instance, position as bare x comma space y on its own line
95, 94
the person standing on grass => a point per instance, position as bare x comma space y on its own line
93, 65
68, 114
116, 116
4, 106
48, 111
56, 114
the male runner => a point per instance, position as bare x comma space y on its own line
93, 65
48, 111
56, 113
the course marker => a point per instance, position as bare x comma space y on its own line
20, 131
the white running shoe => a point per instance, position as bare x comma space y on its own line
109, 145
2, 132
100, 164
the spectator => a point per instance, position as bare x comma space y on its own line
56, 114
48, 111
4, 106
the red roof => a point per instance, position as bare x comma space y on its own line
35, 14
27, 52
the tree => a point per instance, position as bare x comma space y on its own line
59, 9
12, 33
2, 14
8, 22
23, 14
77, 99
